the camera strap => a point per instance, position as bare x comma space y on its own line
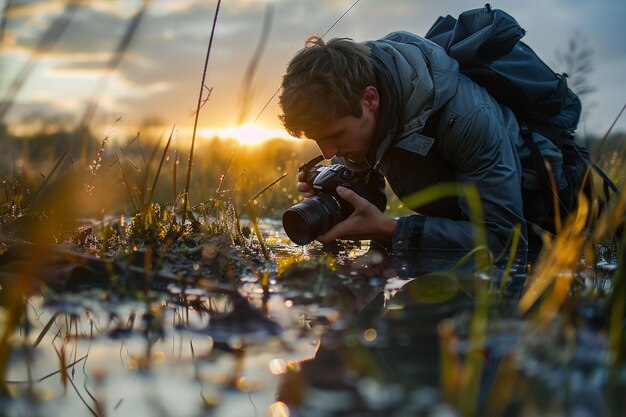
308, 165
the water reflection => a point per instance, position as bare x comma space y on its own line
339, 335
412, 340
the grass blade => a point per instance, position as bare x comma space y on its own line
47, 179
51, 374
113, 63
46, 328
197, 114
156, 176
47, 41
512, 252
253, 216
246, 96
125, 182
472, 197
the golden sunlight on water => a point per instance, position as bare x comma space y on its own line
279, 409
278, 366
248, 134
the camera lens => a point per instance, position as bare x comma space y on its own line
312, 217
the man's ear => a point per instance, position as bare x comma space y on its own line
371, 99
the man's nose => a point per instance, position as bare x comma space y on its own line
327, 150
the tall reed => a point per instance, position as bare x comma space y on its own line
201, 101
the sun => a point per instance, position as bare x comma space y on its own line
248, 134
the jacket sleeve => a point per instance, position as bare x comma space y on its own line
481, 150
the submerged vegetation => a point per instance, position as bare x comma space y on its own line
135, 282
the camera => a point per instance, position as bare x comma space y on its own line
314, 216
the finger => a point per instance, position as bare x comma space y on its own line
308, 193
340, 231
351, 197
303, 187
301, 176
324, 238
329, 236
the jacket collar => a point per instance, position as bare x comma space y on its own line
387, 117
406, 89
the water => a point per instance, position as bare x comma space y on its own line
355, 334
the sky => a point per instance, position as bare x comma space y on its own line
158, 80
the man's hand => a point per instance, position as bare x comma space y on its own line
365, 223
304, 187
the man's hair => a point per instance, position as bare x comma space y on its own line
324, 81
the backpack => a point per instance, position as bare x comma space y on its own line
486, 43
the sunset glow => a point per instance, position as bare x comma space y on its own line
157, 76
246, 134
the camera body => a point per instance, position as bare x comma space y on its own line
326, 179
316, 215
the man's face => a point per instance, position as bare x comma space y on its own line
350, 137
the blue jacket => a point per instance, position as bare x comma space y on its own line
437, 126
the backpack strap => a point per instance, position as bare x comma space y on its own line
540, 164
607, 184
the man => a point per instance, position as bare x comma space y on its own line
399, 108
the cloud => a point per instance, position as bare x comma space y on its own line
169, 48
